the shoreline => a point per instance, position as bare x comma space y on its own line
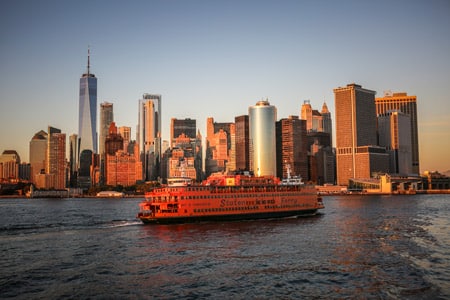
421, 192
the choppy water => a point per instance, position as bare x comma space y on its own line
359, 247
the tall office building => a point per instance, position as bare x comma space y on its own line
55, 163
407, 105
327, 123
218, 146
292, 147
106, 118
125, 133
262, 118
394, 131
149, 135
9, 165
73, 160
242, 140
38, 150
87, 126
87, 121
357, 153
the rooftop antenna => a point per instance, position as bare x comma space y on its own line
88, 65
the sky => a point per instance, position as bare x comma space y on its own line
217, 58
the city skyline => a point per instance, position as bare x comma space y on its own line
217, 59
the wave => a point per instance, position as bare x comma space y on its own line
123, 223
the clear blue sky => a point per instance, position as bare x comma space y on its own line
217, 58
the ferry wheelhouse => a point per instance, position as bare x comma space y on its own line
229, 197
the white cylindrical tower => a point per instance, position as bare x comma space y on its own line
262, 118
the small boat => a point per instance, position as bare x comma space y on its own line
109, 194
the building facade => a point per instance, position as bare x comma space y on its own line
73, 160
38, 150
55, 163
122, 169
185, 154
106, 118
218, 146
178, 127
292, 147
149, 135
262, 118
394, 133
406, 104
125, 133
242, 141
357, 153
9, 165
327, 124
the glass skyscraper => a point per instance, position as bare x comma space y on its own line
87, 126
87, 121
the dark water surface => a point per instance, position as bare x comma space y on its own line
359, 247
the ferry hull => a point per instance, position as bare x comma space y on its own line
227, 217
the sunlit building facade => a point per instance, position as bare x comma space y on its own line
394, 132
406, 104
357, 152
38, 150
9, 165
149, 135
262, 118
55, 163
292, 147
218, 146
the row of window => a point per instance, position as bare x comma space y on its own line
247, 208
235, 196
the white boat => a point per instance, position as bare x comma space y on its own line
110, 194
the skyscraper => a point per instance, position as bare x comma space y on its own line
262, 118
73, 160
218, 146
149, 135
125, 132
106, 117
394, 129
292, 147
38, 150
327, 123
242, 143
357, 153
55, 163
9, 164
87, 122
87, 126
407, 105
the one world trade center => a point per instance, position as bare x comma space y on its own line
87, 124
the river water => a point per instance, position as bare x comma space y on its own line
360, 247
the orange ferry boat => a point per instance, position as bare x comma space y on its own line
229, 197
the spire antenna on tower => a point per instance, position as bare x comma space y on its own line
88, 64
